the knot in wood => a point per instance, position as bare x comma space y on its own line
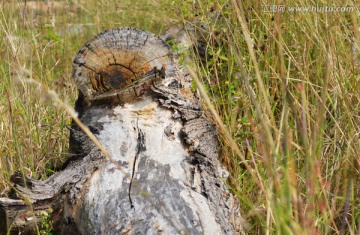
120, 64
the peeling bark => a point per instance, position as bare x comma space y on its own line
164, 176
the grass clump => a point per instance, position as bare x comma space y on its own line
286, 87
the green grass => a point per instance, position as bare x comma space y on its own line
282, 87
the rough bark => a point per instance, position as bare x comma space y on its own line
163, 177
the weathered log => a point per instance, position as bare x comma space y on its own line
162, 175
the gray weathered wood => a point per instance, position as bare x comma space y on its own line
164, 176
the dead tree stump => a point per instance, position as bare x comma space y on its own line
163, 175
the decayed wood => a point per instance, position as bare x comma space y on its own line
120, 58
164, 176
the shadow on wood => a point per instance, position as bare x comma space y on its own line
163, 175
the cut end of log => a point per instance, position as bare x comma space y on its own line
118, 62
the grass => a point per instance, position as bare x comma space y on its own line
283, 88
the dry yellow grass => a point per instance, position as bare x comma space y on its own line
286, 86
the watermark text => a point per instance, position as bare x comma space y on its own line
304, 9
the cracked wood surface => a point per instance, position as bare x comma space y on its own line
164, 177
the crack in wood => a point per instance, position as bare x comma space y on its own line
140, 84
88, 46
83, 64
140, 148
155, 58
143, 45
